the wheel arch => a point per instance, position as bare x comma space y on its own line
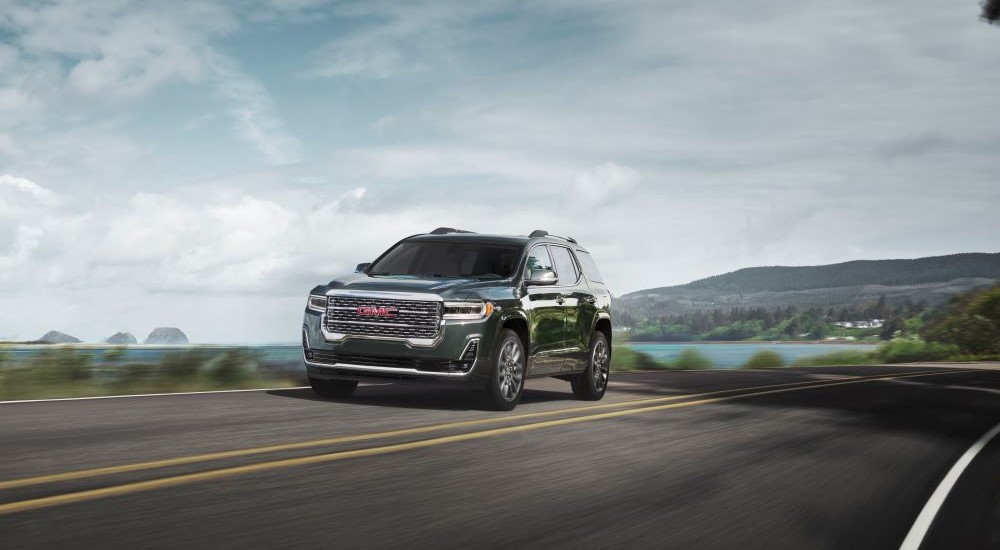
603, 325
519, 325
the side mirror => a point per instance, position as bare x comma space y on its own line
362, 267
542, 277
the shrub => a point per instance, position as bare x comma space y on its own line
909, 351
624, 358
764, 359
61, 364
233, 367
114, 354
182, 365
691, 359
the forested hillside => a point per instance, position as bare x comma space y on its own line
935, 269
805, 302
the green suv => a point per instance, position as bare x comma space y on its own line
460, 309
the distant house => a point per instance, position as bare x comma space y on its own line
870, 323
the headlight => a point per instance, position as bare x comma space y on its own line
317, 303
467, 310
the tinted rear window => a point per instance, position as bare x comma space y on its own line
449, 259
589, 267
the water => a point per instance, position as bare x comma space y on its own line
728, 356
290, 356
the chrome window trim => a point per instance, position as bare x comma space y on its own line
579, 272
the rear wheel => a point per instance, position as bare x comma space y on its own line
592, 383
333, 388
506, 383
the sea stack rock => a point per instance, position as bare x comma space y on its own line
166, 336
56, 337
121, 339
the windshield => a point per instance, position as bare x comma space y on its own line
449, 259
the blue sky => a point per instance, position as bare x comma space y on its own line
162, 162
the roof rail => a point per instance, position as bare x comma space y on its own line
446, 230
543, 233
567, 239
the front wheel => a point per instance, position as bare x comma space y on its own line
506, 383
591, 384
333, 388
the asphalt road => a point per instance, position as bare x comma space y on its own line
840, 457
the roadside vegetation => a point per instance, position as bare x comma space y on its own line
779, 323
967, 329
625, 359
66, 371
764, 359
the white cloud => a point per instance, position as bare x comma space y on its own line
22, 186
740, 135
81, 59
602, 182
254, 114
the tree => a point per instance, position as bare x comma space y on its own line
972, 322
991, 12
890, 328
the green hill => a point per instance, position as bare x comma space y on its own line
929, 280
934, 269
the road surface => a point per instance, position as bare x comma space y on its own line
838, 457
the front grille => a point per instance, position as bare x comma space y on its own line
407, 319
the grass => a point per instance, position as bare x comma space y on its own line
895, 351
70, 372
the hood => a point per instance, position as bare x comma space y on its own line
455, 288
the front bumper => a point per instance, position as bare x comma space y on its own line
459, 357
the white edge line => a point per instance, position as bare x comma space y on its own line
923, 523
145, 395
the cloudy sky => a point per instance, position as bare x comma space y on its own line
203, 164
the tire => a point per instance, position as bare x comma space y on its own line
506, 384
332, 389
591, 384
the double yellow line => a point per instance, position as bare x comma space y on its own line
665, 403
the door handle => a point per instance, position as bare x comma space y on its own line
560, 300
589, 299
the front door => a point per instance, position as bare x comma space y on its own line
577, 304
545, 317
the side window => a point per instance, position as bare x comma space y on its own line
538, 260
565, 266
589, 267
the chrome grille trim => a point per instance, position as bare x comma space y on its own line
417, 321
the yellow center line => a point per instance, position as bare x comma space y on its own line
127, 488
236, 453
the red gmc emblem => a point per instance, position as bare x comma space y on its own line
372, 311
